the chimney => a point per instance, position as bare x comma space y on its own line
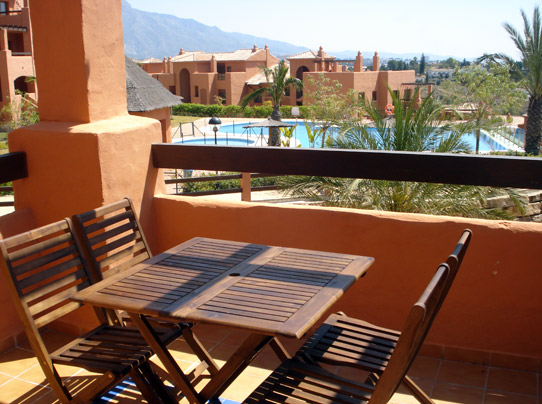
255, 48
213, 64
358, 64
181, 52
376, 62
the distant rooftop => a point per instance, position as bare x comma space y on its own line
199, 56
312, 55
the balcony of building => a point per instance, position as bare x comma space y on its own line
484, 347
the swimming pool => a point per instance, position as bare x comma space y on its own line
223, 141
300, 134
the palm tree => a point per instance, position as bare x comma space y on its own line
278, 80
530, 47
410, 129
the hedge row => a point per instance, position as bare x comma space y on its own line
233, 111
226, 184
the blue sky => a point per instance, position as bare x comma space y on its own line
463, 28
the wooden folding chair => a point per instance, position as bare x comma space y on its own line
113, 241
43, 268
386, 355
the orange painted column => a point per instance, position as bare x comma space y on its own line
86, 151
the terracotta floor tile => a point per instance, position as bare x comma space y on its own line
424, 367
4, 378
222, 352
462, 373
508, 398
17, 361
242, 387
267, 359
18, 392
449, 393
404, 396
180, 350
48, 398
53, 340
513, 381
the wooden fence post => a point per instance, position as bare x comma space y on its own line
245, 187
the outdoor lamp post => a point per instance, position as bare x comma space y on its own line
216, 122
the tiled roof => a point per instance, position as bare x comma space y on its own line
144, 93
310, 55
238, 55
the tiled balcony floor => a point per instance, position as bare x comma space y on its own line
446, 381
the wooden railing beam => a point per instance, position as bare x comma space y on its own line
466, 169
12, 166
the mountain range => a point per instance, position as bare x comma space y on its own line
157, 35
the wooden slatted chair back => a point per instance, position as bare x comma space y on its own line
412, 336
112, 238
44, 267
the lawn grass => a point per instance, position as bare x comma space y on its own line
176, 119
3, 142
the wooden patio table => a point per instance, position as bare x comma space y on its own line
268, 291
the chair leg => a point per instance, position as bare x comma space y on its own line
157, 385
420, 395
147, 389
200, 351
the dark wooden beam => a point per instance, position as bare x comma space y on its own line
467, 169
12, 166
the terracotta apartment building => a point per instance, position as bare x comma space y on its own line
200, 77
16, 60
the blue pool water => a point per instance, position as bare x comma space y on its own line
223, 141
300, 133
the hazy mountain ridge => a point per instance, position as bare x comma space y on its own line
157, 35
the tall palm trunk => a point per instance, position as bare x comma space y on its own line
533, 130
274, 133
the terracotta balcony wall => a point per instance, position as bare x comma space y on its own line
494, 306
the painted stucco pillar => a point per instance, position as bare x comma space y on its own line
86, 150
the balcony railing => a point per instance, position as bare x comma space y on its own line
495, 171
12, 167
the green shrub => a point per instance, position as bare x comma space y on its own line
248, 112
262, 111
226, 184
232, 111
286, 111
7, 184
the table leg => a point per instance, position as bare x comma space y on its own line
238, 362
279, 349
175, 372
